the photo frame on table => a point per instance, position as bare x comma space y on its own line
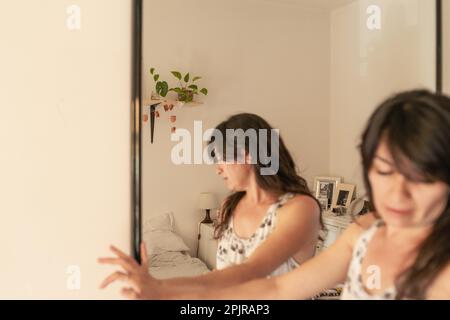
343, 196
325, 189
323, 203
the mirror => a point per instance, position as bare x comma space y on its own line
314, 69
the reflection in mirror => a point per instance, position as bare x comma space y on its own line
313, 69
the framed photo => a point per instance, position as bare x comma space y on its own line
324, 190
323, 203
343, 196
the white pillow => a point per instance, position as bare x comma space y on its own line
163, 241
161, 222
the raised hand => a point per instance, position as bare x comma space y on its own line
140, 284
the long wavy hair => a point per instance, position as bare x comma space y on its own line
417, 127
285, 180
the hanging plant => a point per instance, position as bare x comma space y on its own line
187, 89
161, 87
186, 92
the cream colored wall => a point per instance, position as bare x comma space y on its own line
446, 52
367, 66
64, 131
255, 56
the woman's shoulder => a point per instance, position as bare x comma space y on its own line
366, 221
358, 227
298, 205
295, 201
440, 288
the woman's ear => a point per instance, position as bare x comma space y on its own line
248, 157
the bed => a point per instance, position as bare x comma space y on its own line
176, 264
168, 253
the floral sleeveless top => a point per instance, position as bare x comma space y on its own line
234, 250
354, 287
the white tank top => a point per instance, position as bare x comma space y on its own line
234, 250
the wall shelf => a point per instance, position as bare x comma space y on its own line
154, 103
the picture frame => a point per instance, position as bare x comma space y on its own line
343, 196
324, 190
323, 203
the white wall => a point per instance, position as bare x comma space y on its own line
369, 65
65, 137
264, 57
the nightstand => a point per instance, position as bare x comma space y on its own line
207, 245
334, 225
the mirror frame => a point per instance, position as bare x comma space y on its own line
439, 47
136, 132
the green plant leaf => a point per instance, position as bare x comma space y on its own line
186, 77
177, 75
152, 70
177, 90
164, 88
193, 86
156, 77
196, 78
204, 91
158, 87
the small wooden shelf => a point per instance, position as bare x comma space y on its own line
154, 103
174, 102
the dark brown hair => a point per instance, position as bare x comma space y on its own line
283, 181
416, 125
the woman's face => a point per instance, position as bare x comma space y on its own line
236, 175
401, 202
